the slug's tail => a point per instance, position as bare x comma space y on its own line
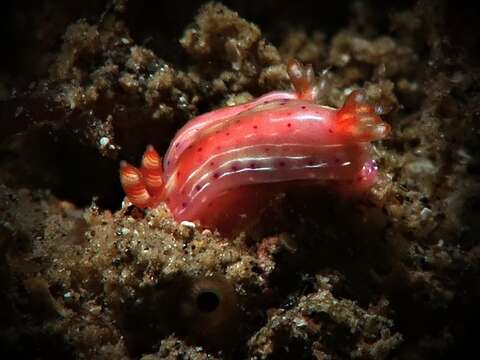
143, 186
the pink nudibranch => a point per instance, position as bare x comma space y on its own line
223, 166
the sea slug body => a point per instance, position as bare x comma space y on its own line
222, 166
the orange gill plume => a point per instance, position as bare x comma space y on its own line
303, 79
359, 119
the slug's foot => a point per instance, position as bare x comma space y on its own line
359, 119
143, 186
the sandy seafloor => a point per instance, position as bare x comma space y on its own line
393, 274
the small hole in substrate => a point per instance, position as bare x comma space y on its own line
207, 301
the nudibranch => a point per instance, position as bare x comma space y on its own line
223, 166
